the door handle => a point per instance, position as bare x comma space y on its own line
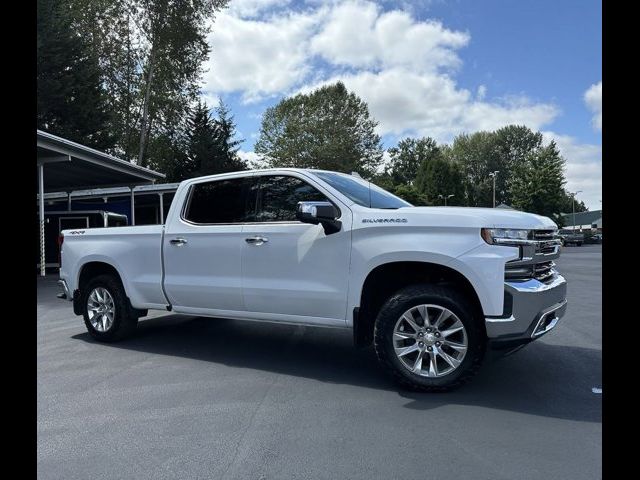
257, 240
178, 241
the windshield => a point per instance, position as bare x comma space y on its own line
364, 193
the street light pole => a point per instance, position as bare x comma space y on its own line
445, 197
493, 174
573, 207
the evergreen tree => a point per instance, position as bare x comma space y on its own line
226, 143
207, 146
70, 100
202, 148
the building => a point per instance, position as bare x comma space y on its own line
584, 221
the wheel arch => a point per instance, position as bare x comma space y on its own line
92, 269
387, 278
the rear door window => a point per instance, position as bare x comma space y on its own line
222, 202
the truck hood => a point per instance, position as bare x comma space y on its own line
470, 217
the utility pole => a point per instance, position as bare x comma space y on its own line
445, 197
493, 174
573, 207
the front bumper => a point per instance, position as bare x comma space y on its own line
532, 308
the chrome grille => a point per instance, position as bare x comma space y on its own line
543, 271
544, 234
536, 259
548, 239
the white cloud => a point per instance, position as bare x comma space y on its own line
402, 67
357, 34
258, 57
253, 159
583, 169
593, 99
212, 100
408, 103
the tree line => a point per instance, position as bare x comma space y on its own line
123, 76
331, 128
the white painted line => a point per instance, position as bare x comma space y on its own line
597, 390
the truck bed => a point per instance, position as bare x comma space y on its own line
135, 252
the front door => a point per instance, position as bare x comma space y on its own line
292, 270
202, 250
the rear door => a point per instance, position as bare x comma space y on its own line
202, 249
293, 270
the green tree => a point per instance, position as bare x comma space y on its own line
504, 151
329, 128
203, 146
444, 176
406, 158
152, 54
201, 149
567, 205
70, 101
514, 144
537, 184
226, 144
167, 153
406, 191
478, 155
176, 34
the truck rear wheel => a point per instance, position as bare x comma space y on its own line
427, 338
106, 310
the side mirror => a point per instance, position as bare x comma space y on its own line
319, 213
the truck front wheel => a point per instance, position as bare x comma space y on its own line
106, 311
427, 338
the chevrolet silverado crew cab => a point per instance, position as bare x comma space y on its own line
430, 287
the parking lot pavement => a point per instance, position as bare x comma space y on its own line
221, 399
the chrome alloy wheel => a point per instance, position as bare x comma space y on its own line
101, 309
430, 340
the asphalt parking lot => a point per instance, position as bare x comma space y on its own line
220, 399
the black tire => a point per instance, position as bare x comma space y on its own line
124, 321
579, 244
446, 297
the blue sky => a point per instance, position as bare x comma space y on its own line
430, 67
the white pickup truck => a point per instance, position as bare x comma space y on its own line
430, 287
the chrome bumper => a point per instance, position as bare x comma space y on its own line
532, 308
66, 294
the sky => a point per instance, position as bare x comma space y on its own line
433, 68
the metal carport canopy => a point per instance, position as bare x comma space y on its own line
71, 166
64, 165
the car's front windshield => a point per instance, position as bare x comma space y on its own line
362, 192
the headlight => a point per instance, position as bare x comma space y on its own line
506, 236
